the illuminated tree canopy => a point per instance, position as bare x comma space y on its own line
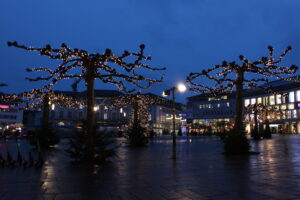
248, 74
107, 67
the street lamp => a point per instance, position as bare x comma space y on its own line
181, 88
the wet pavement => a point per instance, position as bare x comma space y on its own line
200, 172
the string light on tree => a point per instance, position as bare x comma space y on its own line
229, 75
106, 67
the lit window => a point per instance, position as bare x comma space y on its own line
288, 114
291, 106
292, 97
278, 99
253, 101
298, 95
259, 100
272, 100
228, 104
105, 116
247, 102
283, 107
294, 113
278, 117
284, 98
283, 114
218, 105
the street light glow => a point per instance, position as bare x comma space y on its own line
181, 87
96, 108
164, 94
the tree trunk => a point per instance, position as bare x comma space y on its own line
239, 101
90, 79
45, 122
255, 133
135, 110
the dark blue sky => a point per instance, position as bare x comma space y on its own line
184, 36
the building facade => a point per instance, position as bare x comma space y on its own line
210, 114
281, 110
284, 107
110, 118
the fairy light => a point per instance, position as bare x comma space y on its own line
34, 100
141, 102
102, 65
264, 112
223, 75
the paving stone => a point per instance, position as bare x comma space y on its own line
200, 172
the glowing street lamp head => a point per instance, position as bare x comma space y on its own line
181, 87
165, 93
96, 108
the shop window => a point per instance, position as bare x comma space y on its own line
291, 97
294, 113
283, 114
288, 114
283, 107
272, 100
259, 100
253, 101
298, 114
247, 102
278, 99
298, 95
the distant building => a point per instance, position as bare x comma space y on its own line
206, 113
162, 120
160, 116
287, 101
10, 117
104, 117
210, 114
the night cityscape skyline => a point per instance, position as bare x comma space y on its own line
150, 100
184, 37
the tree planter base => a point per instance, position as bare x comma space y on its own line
244, 154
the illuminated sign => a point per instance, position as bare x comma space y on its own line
4, 106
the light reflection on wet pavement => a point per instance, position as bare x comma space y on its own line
200, 172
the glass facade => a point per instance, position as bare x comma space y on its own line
282, 111
272, 100
291, 97
278, 99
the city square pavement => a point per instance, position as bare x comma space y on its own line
201, 171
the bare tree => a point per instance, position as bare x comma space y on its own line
262, 114
247, 74
106, 67
139, 117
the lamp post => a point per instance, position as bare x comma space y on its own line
181, 88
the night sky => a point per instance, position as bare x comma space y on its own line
184, 36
